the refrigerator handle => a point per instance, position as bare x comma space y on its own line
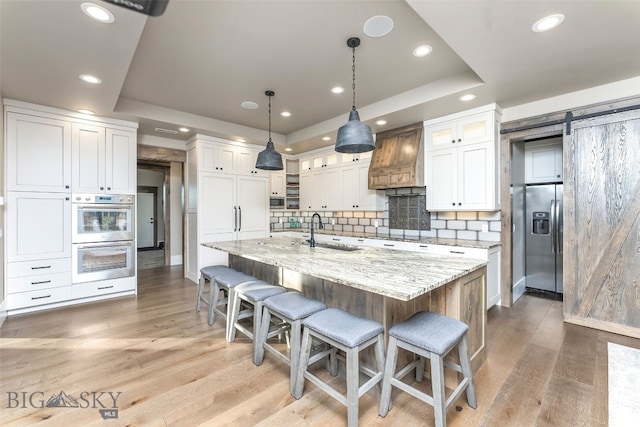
552, 225
557, 229
235, 219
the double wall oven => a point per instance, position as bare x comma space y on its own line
103, 241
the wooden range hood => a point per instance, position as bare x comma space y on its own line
398, 159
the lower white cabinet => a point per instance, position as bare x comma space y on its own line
38, 282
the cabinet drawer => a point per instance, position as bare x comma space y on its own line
40, 297
42, 281
33, 268
458, 251
92, 289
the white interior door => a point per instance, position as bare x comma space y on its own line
145, 220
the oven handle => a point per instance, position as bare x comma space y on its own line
105, 245
101, 205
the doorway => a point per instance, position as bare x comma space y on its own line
146, 219
153, 219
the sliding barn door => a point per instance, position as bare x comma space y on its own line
602, 223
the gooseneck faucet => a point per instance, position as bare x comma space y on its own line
312, 241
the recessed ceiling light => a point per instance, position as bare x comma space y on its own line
285, 114
249, 105
90, 79
97, 13
378, 26
547, 23
467, 97
240, 140
89, 112
381, 122
288, 149
183, 129
337, 89
326, 138
422, 50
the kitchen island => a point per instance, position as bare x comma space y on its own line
384, 285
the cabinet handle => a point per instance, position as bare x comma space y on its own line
453, 141
41, 267
67, 187
240, 220
336, 240
66, 198
101, 188
42, 297
453, 204
235, 218
459, 203
389, 244
459, 139
42, 282
457, 252
216, 168
424, 246
360, 240
108, 188
104, 287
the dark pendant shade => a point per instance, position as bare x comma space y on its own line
355, 136
269, 159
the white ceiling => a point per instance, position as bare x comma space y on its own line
196, 63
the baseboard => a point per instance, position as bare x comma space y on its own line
519, 288
176, 260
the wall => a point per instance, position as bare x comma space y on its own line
176, 212
518, 219
148, 178
3, 312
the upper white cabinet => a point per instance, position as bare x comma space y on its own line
38, 153
346, 158
543, 162
472, 129
246, 162
356, 194
461, 170
216, 158
278, 187
104, 160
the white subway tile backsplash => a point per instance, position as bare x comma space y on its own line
347, 214
489, 216
370, 229
476, 225
370, 214
358, 228
429, 233
447, 234
384, 231
352, 221
438, 223
446, 215
469, 216
348, 228
467, 235
343, 221
364, 221
456, 225
490, 236
495, 226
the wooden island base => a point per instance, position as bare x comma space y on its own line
463, 299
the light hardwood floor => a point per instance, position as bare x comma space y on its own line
171, 368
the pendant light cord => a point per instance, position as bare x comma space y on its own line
269, 118
353, 84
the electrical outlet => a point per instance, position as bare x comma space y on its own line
280, 220
375, 223
485, 228
333, 221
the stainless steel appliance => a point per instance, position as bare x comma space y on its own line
102, 261
276, 202
543, 241
103, 239
102, 218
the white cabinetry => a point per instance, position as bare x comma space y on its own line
330, 181
543, 163
278, 187
50, 153
223, 204
355, 191
462, 161
38, 153
104, 160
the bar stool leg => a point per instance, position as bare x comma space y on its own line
200, 292
379, 351
353, 376
437, 385
213, 301
261, 337
465, 363
294, 351
389, 372
231, 303
305, 350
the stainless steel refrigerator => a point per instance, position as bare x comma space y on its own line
543, 240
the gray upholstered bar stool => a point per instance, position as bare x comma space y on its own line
433, 336
350, 334
228, 282
207, 274
292, 308
251, 294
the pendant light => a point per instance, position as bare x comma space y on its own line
269, 159
355, 136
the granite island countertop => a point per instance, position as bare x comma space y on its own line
477, 244
397, 274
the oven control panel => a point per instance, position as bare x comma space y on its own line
104, 198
